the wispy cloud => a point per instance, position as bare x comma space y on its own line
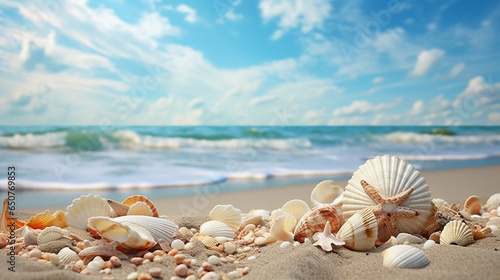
426, 61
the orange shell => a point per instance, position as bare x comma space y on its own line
41, 220
133, 199
6, 218
472, 205
59, 219
315, 220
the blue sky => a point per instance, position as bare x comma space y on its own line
246, 62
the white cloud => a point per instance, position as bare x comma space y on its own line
291, 14
418, 108
426, 61
457, 69
232, 15
431, 26
364, 107
313, 116
378, 80
196, 103
190, 13
261, 99
494, 118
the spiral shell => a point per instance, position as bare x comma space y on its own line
456, 233
404, 256
360, 231
315, 221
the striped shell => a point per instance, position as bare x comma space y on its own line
50, 234
473, 205
84, 207
66, 255
131, 200
140, 208
326, 192
360, 231
456, 233
217, 229
315, 221
404, 256
226, 214
391, 176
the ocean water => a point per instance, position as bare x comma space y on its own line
168, 161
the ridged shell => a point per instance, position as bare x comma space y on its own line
41, 220
283, 226
103, 250
140, 208
360, 231
226, 214
473, 205
315, 221
326, 192
456, 233
6, 219
50, 234
404, 256
84, 207
411, 239
129, 235
216, 229
59, 219
129, 201
492, 203
391, 176
296, 207
66, 255
159, 228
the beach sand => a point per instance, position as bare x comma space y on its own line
480, 260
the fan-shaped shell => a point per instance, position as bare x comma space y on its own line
456, 233
492, 203
84, 207
391, 176
326, 192
129, 201
360, 231
473, 205
41, 220
217, 229
404, 256
50, 234
158, 227
140, 208
66, 255
315, 221
296, 207
226, 214
283, 226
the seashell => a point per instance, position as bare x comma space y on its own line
492, 203
59, 219
209, 241
227, 214
117, 208
472, 205
30, 238
41, 220
84, 207
140, 208
315, 221
161, 229
129, 201
50, 234
391, 181
283, 227
55, 246
103, 249
66, 255
325, 239
435, 236
326, 192
439, 203
404, 256
6, 219
360, 231
217, 229
429, 244
493, 221
456, 233
410, 238
296, 207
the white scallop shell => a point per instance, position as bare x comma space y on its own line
492, 203
456, 233
296, 207
226, 214
409, 238
283, 226
84, 207
391, 176
50, 234
326, 192
217, 229
360, 231
66, 255
404, 256
158, 227
140, 208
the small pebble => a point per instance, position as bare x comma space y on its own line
224, 260
46, 256
429, 244
98, 259
149, 256
211, 276
179, 258
175, 278
80, 264
493, 228
159, 253
229, 248
191, 277
181, 270
214, 260
177, 244
107, 264
247, 249
85, 272
158, 259
173, 252
133, 276
207, 266
187, 262
234, 274
246, 270
194, 262
142, 253
145, 261
54, 259
144, 276
193, 230
284, 244
80, 245
251, 258
115, 261
35, 253
296, 243
250, 227
94, 266
185, 232
155, 272
260, 241
307, 241
105, 271
188, 246
136, 260
231, 259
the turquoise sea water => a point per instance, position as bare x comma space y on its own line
170, 161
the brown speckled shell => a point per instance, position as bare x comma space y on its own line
315, 220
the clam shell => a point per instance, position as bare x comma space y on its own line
326, 192
404, 256
472, 205
226, 214
50, 234
360, 231
159, 228
391, 176
84, 207
409, 238
315, 221
456, 233
492, 203
129, 201
296, 207
66, 255
217, 229
140, 208
283, 227
59, 219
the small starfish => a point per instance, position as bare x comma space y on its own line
388, 208
326, 239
